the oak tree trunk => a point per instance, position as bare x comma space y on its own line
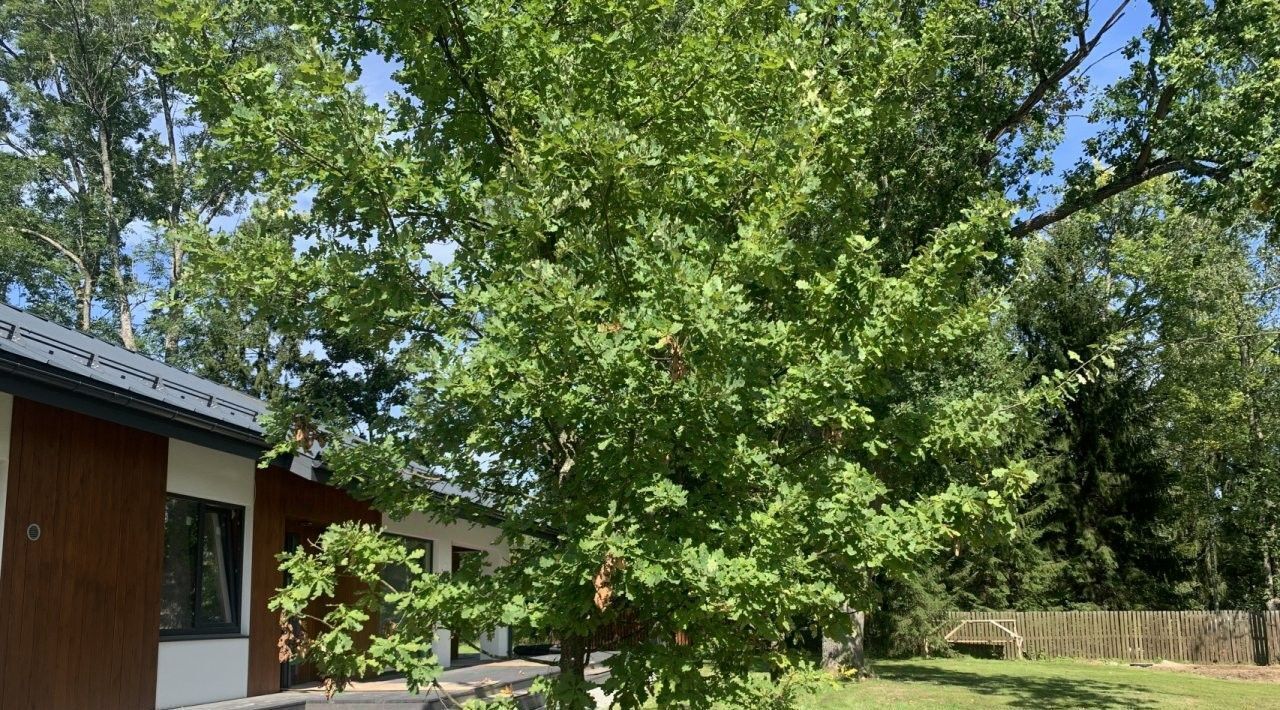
572, 678
843, 652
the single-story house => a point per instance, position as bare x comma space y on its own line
140, 537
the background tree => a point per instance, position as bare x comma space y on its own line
80, 161
1219, 416
1103, 284
215, 325
1149, 454
110, 183
1156, 489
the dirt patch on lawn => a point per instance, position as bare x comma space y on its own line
1262, 674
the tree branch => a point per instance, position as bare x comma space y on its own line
1161, 110
1046, 84
79, 263
1134, 178
473, 85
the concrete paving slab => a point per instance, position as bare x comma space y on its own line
456, 686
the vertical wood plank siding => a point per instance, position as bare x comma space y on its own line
280, 496
80, 606
1232, 637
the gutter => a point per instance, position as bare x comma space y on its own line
57, 387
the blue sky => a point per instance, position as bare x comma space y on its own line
1105, 65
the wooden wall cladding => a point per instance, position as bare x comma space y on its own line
281, 497
80, 606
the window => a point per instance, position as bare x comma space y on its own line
200, 592
398, 576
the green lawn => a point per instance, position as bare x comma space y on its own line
974, 683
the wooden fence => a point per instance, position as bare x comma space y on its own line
1238, 637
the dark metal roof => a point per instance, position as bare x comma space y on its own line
53, 347
105, 380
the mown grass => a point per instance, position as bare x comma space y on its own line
976, 683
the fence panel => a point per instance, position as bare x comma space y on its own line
1271, 624
1236, 637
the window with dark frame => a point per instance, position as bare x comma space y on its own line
203, 551
398, 575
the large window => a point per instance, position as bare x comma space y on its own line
200, 592
398, 575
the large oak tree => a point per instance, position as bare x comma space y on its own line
700, 295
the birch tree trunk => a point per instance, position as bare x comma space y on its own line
176, 254
119, 265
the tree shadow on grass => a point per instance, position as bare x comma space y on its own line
1025, 692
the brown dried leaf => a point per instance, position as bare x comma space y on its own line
292, 639
603, 580
677, 367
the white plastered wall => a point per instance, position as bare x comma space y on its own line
6, 426
206, 670
444, 538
